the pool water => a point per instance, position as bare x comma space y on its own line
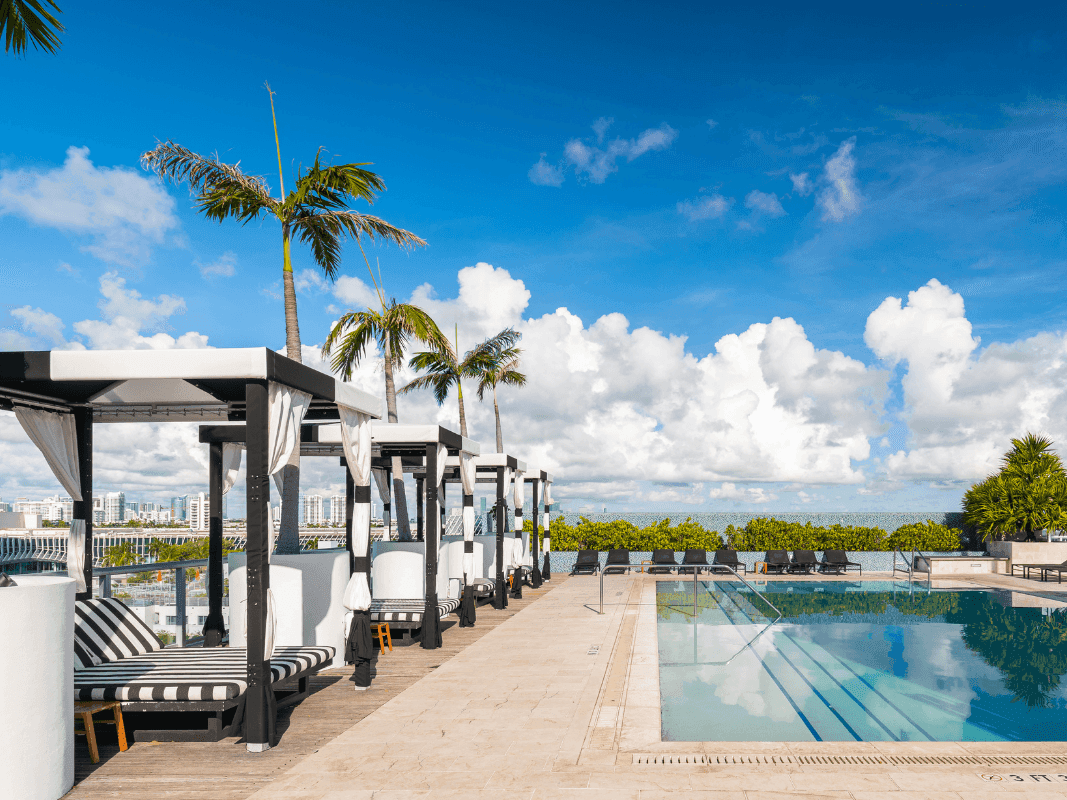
857, 661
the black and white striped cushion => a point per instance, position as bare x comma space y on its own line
188, 673
106, 630
407, 610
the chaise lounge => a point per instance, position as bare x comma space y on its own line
804, 561
663, 562
728, 558
836, 561
776, 561
694, 559
118, 657
588, 563
618, 561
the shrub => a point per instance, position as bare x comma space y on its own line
925, 536
588, 535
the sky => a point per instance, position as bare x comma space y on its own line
773, 258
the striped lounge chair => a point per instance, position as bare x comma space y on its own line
118, 657
407, 614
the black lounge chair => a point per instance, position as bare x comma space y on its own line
836, 561
804, 561
618, 561
663, 561
728, 558
588, 563
1059, 569
695, 559
777, 561
1039, 567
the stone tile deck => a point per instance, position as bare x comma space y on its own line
558, 701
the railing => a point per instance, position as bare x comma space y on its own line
179, 567
911, 565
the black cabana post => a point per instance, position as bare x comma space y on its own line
420, 525
500, 596
83, 509
516, 585
215, 625
431, 627
258, 705
535, 537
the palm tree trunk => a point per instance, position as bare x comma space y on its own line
403, 525
462, 413
499, 435
292, 326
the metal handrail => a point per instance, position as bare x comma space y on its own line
911, 568
755, 591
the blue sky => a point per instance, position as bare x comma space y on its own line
699, 170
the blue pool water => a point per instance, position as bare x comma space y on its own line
863, 661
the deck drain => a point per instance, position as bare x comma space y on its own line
594, 649
704, 759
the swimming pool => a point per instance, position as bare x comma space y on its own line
857, 661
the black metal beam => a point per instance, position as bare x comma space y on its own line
215, 626
257, 704
500, 596
83, 509
431, 627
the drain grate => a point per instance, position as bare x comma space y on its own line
704, 759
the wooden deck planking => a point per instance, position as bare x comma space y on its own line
226, 771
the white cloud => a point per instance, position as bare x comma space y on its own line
963, 404
596, 163
354, 293
710, 207
43, 324
544, 174
222, 267
123, 211
309, 280
840, 197
730, 491
710, 123
767, 204
600, 127
802, 184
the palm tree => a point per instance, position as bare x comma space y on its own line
502, 369
315, 212
444, 369
391, 327
29, 20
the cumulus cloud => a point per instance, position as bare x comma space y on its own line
600, 127
354, 293
840, 197
309, 280
595, 163
710, 123
766, 204
964, 403
43, 324
749, 495
222, 267
544, 174
710, 207
802, 184
122, 211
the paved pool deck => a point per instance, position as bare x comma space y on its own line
560, 701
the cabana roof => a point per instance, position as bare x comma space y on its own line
389, 439
160, 385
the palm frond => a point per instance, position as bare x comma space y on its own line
23, 21
356, 224
336, 183
440, 382
323, 233
222, 190
348, 340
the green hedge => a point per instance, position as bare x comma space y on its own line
758, 535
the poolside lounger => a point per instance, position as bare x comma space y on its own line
803, 561
776, 561
1039, 567
728, 558
836, 561
618, 561
118, 657
407, 614
695, 559
1059, 569
663, 562
483, 588
588, 563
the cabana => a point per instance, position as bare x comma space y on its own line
423, 450
498, 468
59, 396
539, 481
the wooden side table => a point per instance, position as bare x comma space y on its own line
382, 634
84, 710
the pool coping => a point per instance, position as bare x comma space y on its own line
630, 731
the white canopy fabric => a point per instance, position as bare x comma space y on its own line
54, 434
467, 476
355, 436
287, 408
548, 517
231, 464
382, 482
518, 550
442, 459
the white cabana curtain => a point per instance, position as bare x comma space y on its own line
355, 437
231, 464
519, 547
467, 476
55, 436
442, 457
287, 408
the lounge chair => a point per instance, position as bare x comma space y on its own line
588, 563
618, 561
777, 561
804, 561
836, 561
1059, 569
695, 559
728, 558
118, 657
1039, 567
663, 562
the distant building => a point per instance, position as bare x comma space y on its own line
179, 508
312, 509
199, 512
114, 508
337, 510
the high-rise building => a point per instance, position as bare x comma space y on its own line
312, 504
179, 508
199, 512
337, 510
114, 508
